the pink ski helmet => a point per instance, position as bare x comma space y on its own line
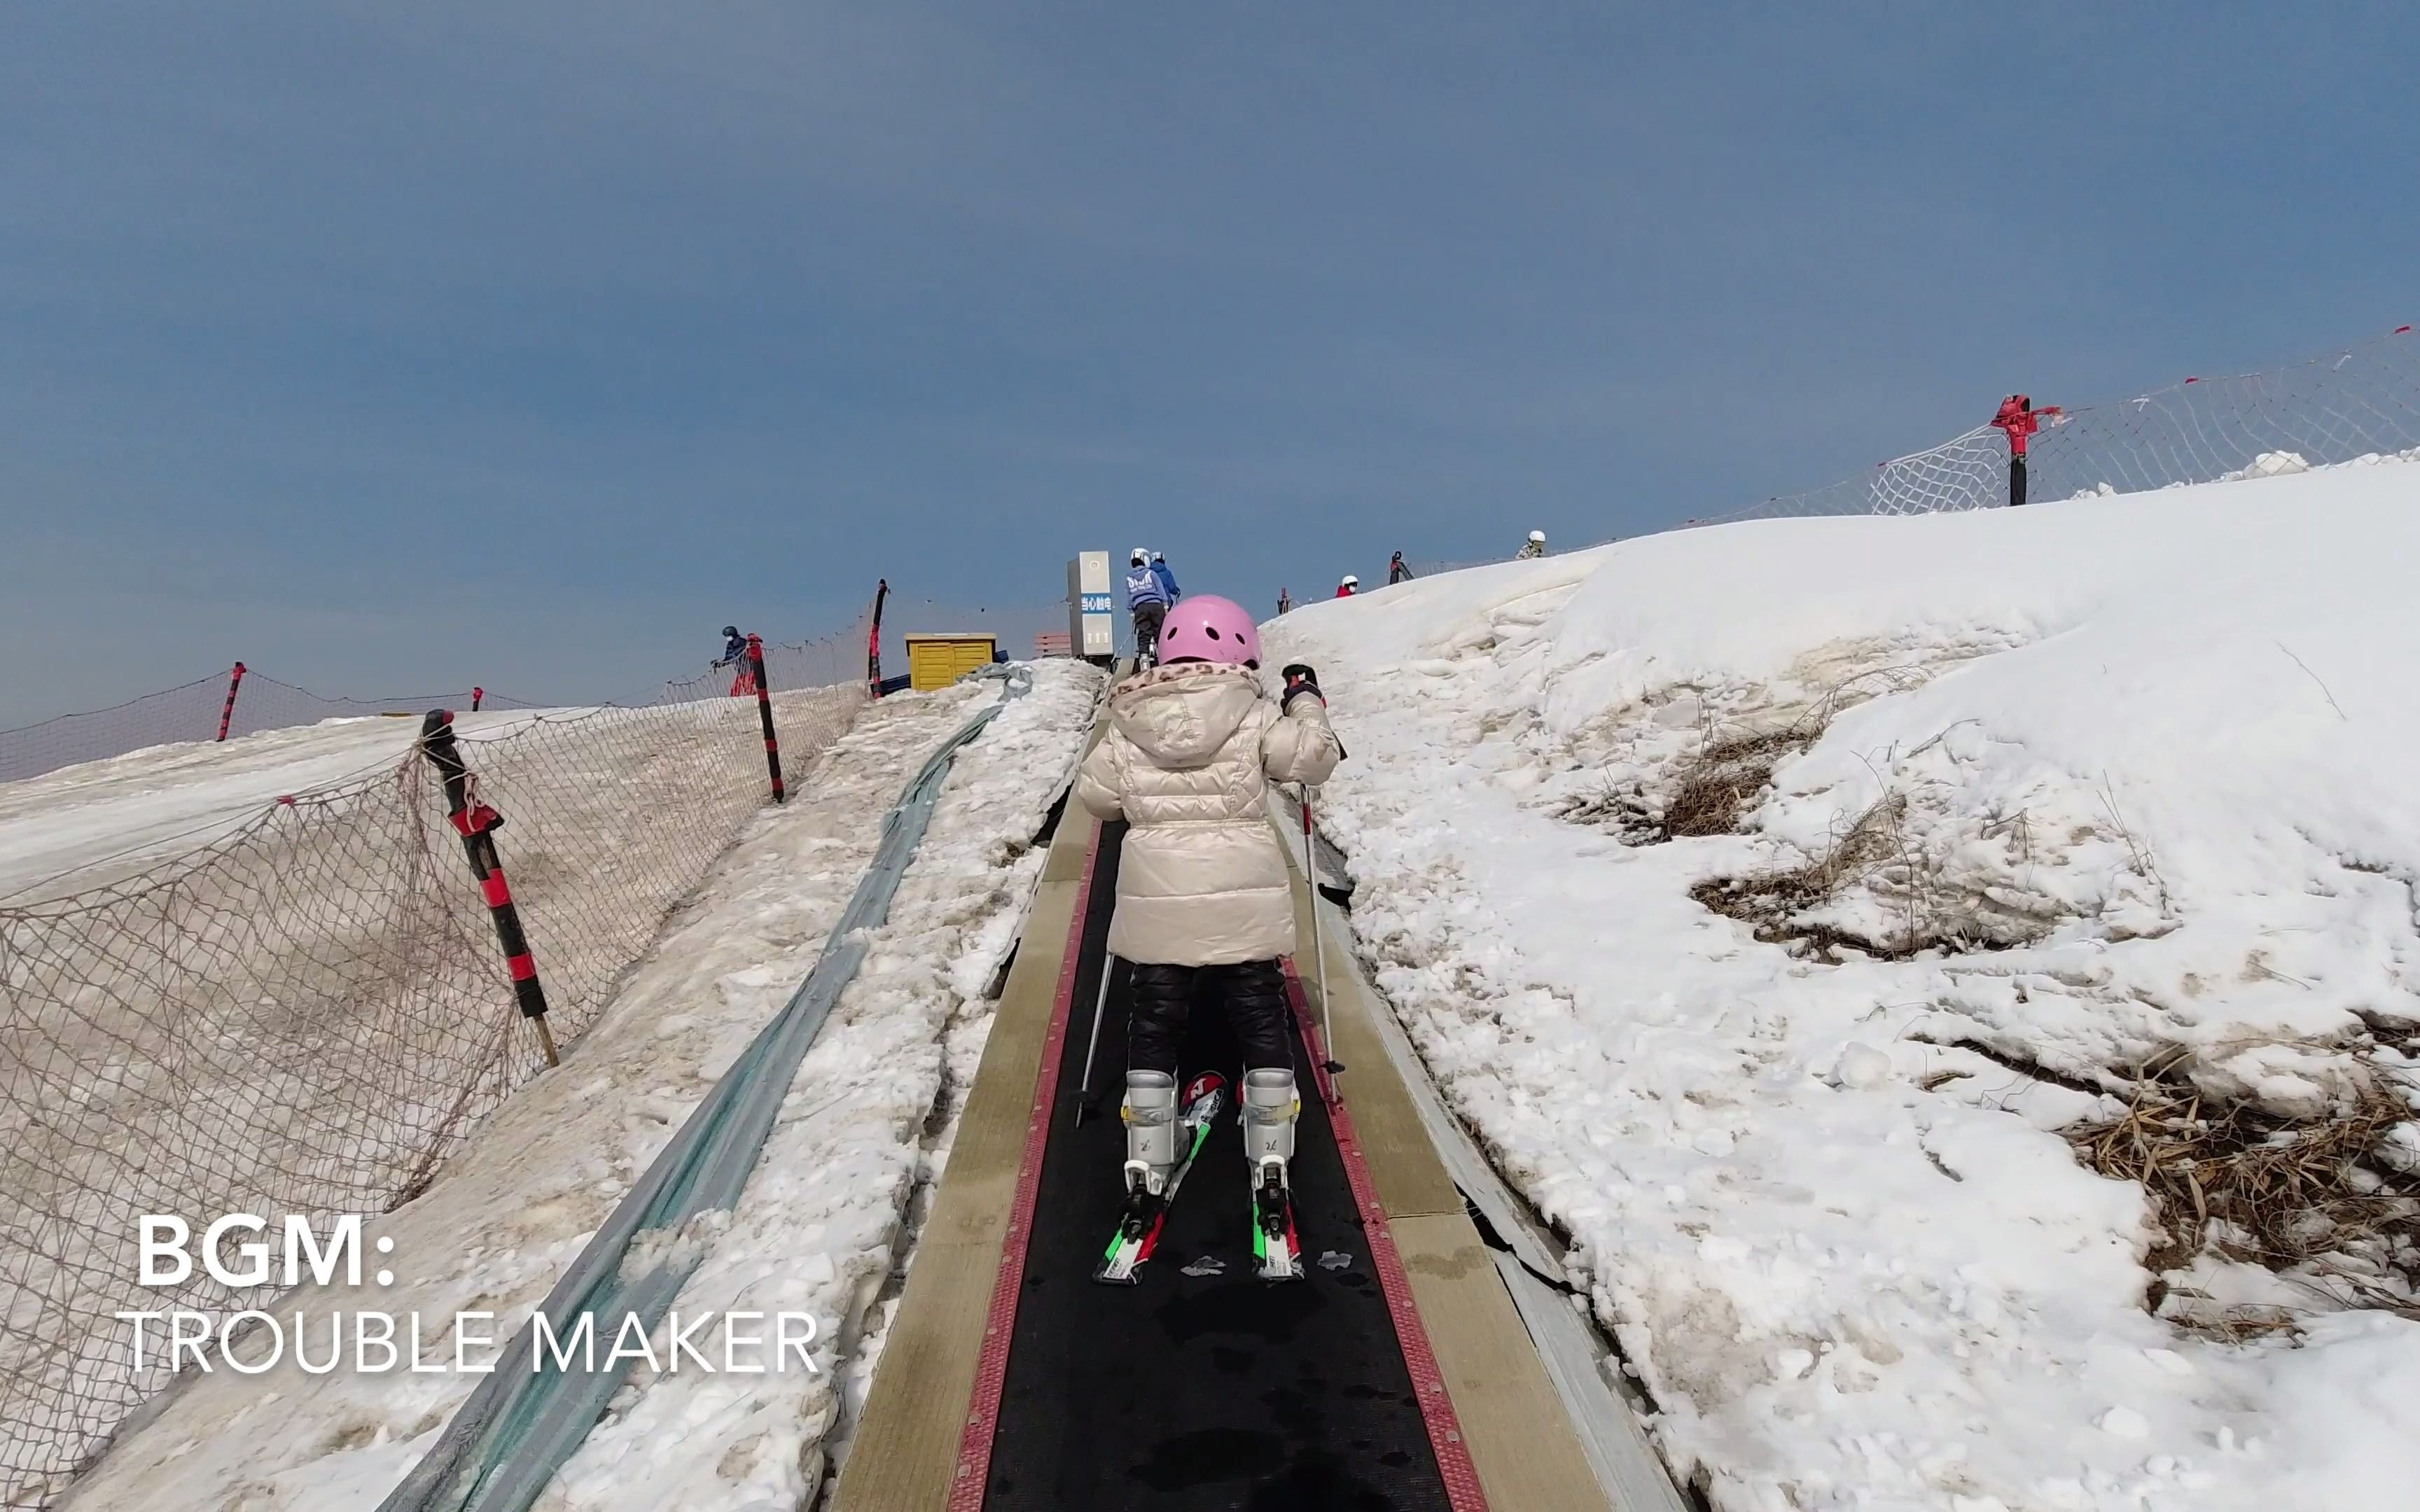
1205, 627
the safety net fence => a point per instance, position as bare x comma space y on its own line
238, 702
307, 1013
224, 705
2343, 405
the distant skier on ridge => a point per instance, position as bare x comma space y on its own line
1532, 549
2018, 420
735, 653
1203, 890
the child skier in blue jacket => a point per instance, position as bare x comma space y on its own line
1148, 598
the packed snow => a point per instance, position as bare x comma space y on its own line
2055, 795
824, 1219
88, 823
85, 826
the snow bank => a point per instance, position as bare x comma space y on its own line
82, 826
822, 1220
104, 819
2125, 779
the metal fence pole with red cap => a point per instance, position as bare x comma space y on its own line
477, 823
227, 714
765, 714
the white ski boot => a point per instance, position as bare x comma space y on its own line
1161, 1143
1270, 1107
1150, 1114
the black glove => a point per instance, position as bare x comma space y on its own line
1300, 678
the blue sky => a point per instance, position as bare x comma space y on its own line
526, 342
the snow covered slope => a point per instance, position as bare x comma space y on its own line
85, 826
109, 818
821, 1221
1768, 896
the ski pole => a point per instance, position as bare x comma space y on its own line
1318, 951
1084, 1102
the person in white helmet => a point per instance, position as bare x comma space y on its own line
1533, 547
1345, 589
1147, 601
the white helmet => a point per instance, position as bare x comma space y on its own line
1140, 555
1539, 536
1351, 581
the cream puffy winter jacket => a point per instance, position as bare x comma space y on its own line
1191, 750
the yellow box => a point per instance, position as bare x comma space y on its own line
938, 660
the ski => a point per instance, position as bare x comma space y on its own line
1145, 1215
1277, 1249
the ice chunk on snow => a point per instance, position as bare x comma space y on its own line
2124, 1422
1861, 1065
2270, 465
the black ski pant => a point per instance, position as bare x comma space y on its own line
2016, 480
1147, 618
1255, 993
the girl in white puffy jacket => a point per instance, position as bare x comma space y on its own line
1202, 881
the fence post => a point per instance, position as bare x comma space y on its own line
765, 716
227, 714
476, 694
873, 642
477, 824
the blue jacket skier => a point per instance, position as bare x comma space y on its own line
1167, 580
1147, 600
735, 653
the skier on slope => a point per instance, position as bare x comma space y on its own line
735, 653
1532, 549
1147, 601
1203, 890
1167, 580
2018, 420
1397, 572
1349, 586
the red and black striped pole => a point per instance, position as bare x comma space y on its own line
765, 714
477, 823
227, 714
873, 642
476, 694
